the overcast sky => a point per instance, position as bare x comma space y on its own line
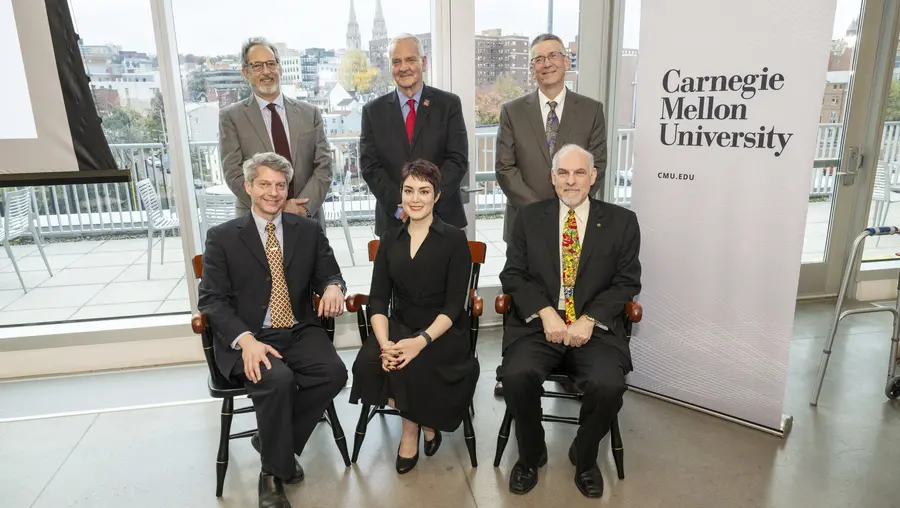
209, 27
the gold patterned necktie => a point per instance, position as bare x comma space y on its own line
571, 251
280, 302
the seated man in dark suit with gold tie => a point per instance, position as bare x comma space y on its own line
571, 266
266, 332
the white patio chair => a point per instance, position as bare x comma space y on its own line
18, 219
214, 210
156, 221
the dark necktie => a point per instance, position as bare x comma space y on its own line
552, 127
280, 141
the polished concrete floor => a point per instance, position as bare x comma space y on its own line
842, 454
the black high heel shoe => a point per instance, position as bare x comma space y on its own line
405, 465
431, 447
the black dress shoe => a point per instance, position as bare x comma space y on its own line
590, 482
431, 447
271, 492
298, 470
404, 464
522, 479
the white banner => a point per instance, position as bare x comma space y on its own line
727, 113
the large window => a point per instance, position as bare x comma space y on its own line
95, 237
337, 62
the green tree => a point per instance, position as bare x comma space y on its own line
197, 83
893, 107
124, 125
489, 99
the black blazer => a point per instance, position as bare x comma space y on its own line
439, 136
236, 284
609, 272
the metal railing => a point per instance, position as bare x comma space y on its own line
109, 208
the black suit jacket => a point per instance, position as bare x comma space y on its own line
439, 137
609, 272
236, 283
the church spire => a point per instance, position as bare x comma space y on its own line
379, 28
354, 40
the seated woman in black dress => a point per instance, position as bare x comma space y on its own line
419, 360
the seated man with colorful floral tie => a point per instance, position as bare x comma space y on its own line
571, 266
267, 334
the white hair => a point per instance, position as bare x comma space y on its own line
568, 148
402, 37
270, 160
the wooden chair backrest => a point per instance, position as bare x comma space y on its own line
478, 250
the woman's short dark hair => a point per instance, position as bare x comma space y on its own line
421, 169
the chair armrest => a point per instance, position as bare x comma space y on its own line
502, 304
199, 323
634, 312
315, 301
356, 301
477, 304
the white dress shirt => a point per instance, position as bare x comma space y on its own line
545, 108
267, 116
264, 236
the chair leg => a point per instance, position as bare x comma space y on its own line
40, 246
338, 432
360, 431
618, 452
503, 437
149, 250
15, 265
224, 436
469, 432
162, 246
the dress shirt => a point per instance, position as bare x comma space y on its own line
545, 108
263, 237
267, 116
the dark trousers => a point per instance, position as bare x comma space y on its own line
292, 396
598, 370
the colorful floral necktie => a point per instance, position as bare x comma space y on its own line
571, 250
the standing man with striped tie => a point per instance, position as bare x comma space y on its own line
267, 121
535, 125
414, 121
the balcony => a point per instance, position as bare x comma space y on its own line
96, 235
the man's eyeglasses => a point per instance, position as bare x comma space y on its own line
272, 65
553, 56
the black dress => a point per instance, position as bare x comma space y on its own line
436, 387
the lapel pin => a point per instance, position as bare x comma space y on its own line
426, 103
598, 224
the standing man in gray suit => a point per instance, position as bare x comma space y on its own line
268, 121
533, 126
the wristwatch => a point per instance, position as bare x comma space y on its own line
428, 339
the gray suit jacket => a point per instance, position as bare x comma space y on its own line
242, 134
523, 161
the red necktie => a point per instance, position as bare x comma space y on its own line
411, 119
280, 141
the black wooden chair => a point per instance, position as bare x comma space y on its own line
631, 314
359, 303
222, 388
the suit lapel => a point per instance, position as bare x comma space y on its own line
570, 109
254, 115
592, 236
294, 127
291, 235
395, 119
533, 111
550, 226
421, 116
250, 236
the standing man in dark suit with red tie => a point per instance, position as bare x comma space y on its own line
414, 121
268, 121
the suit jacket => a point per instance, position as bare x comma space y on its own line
242, 134
439, 136
236, 285
523, 161
609, 272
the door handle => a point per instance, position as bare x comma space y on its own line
851, 163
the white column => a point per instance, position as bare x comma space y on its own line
178, 146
